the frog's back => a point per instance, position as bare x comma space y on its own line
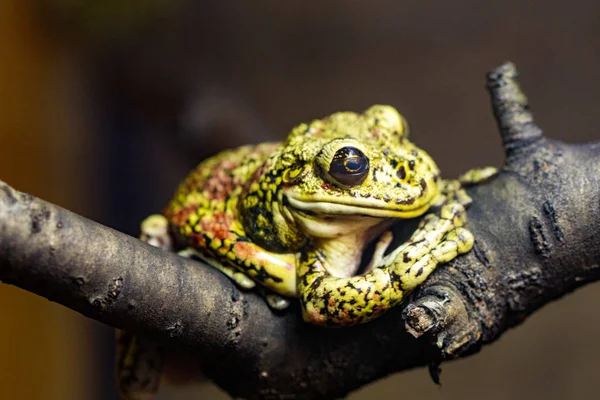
205, 205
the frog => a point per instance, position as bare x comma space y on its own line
294, 218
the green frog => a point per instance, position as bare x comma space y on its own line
295, 217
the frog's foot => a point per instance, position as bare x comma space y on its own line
438, 239
332, 301
477, 175
155, 231
238, 277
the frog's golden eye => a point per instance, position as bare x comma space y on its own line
349, 166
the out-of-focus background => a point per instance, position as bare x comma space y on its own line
105, 105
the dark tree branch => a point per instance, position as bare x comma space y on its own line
535, 224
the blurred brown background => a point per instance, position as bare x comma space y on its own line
104, 106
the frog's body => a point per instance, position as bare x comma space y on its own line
295, 217
213, 207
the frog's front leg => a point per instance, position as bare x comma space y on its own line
332, 301
411, 263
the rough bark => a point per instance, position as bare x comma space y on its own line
535, 224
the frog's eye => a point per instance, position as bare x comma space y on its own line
349, 166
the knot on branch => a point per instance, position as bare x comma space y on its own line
428, 314
440, 312
511, 109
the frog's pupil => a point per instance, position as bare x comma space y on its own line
353, 164
349, 166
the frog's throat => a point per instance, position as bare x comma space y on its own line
361, 207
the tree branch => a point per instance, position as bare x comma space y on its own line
535, 224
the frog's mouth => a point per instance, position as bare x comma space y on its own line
359, 207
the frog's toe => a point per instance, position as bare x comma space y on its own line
454, 212
477, 175
243, 280
464, 239
458, 241
189, 252
277, 302
155, 224
155, 231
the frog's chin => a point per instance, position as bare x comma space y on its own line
324, 226
361, 208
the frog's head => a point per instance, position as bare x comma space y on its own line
349, 167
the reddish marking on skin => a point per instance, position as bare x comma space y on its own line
220, 183
227, 164
375, 133
180, 216
326, 186
198, 240
331, 302
378, 310
316, 317
344, 316
196, 180
218, 224
244, 250
193, 182
303, 269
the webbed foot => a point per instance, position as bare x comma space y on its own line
438, 239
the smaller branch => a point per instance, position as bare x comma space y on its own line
511, 109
